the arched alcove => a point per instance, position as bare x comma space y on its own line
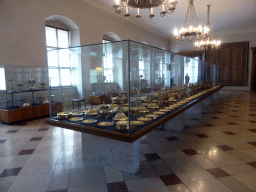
110, 36
69, 74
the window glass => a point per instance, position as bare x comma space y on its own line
141, 65
62, 38
74, 77
108, 75
93, 76
64, 58
51, 38
2, 79
65, 77
54, 77
191, 71
108, 61
52, 58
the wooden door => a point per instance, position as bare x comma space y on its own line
253, 78
234, 58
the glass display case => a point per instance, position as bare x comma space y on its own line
23, 86
128, 86
23, 93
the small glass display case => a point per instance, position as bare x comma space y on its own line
126, 86
23, 93
23, 86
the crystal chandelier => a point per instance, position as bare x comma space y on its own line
164, 6
191, 27
204, 44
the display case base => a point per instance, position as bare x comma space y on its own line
208, 100
195, 109
133, 135
177, 123
10, 116
108, 152
216, 95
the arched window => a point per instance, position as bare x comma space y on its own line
2, 78
63, 71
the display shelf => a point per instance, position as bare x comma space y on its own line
23, 91
10, 116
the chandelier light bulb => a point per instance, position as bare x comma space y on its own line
190, 28
163, 10
118, 2
175, 32
127, 14
151, 15
138, 16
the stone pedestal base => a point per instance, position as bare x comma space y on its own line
176, 123
216, 95
108, 152
208, 100
196, 109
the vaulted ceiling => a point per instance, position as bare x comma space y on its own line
225, 15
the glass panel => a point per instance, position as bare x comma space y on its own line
190, 70
52, 58
2, 79
63, 38
51, 38
54, 77
65, 77
64, 58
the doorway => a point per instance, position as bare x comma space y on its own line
253, 79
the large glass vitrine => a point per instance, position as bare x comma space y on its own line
126, 86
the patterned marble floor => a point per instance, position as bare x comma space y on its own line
216, 152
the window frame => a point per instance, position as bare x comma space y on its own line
58, 67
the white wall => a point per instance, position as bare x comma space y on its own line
22, 32
225, 37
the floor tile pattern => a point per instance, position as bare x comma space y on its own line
216, 152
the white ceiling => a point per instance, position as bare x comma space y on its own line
225, 15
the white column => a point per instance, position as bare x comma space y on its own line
176, 123
108, 152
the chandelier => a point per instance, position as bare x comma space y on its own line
164, 6
191, 27
204, 44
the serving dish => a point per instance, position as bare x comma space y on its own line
105, 124
144, 119
76, 119
89, 121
